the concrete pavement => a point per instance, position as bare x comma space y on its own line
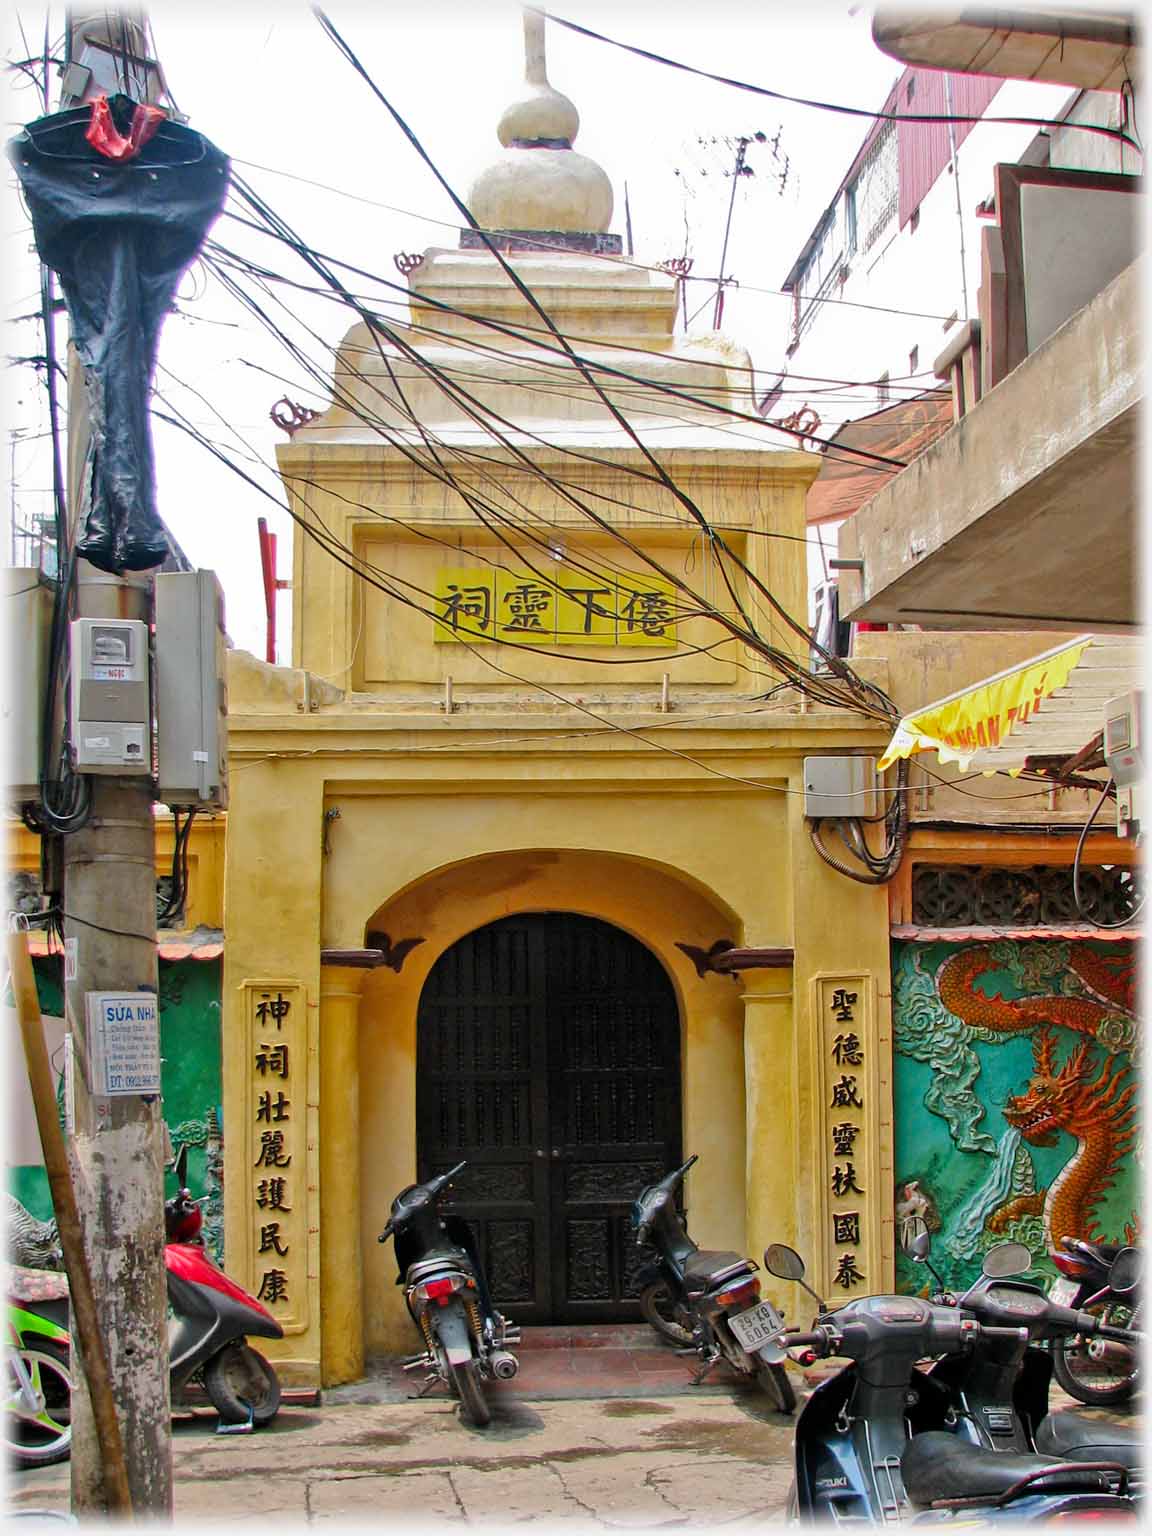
686, 1460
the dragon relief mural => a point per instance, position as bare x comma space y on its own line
1015, 1097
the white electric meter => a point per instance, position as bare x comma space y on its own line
111, 715
1124, 754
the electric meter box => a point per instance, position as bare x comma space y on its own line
111, 714
28, 619
841, 787
191, 690
1124, 755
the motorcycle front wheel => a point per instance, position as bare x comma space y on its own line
464, 1381
1099, 1382
238, 1379
666, 1315
774, 1381
40, 1436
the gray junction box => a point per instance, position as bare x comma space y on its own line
841, 787
191, 690
28, 620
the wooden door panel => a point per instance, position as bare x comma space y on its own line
548, 1057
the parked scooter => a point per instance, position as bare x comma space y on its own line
1000, 1394
1094, 1370
705, 1299
38, 1372
466, 1340
212, 1317
883, 1442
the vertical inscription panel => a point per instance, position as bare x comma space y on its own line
847, 1130
274, 1165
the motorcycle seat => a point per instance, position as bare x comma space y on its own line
1079, 1437
937, 1467
709, 1266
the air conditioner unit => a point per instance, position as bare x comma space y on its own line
1124, 754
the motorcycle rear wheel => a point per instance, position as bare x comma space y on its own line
774, 1380
1092, 1381
665, 1314
465, 1382
239, 1378
46, 1438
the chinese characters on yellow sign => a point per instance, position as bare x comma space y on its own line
277, 1027
847, 1125
488, 603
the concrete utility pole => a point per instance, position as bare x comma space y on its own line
118, 1143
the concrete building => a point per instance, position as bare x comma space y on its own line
995, 529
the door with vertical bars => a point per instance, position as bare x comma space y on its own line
548, 1057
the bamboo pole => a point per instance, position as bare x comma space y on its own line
86, 1326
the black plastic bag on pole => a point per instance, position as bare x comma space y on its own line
119, 233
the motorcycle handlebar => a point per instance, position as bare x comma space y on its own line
387, 1232
444, 1179
819, 1339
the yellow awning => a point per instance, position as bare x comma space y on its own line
976, 723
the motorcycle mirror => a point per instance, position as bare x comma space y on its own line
919, 1247
783, 1262
1006, 1259
1124, 1276
180, 1167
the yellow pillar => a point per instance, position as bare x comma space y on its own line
341, 1276
772, 1127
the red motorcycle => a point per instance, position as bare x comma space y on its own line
207, 1335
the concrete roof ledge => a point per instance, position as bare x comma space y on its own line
997, 524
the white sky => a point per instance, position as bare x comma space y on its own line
266, 85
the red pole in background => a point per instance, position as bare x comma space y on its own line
268, 569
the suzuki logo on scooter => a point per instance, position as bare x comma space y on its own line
832, 1482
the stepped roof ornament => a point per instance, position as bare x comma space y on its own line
539, 183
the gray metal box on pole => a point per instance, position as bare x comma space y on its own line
28, 620
191, 690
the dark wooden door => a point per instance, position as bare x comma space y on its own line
548, 1056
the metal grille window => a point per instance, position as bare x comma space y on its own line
876, 188
1038, 896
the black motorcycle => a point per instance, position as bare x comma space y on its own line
887, 1440
704, 1299
466, 1340
1094, 1370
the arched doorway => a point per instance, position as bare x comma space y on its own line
548, 1056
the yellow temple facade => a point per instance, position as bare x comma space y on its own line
517, 865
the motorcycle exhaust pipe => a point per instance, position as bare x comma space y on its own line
1110, 1352
504, 1366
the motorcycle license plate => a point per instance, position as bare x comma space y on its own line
755, 1327
1063, 1292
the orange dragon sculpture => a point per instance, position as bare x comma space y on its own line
1097, 1112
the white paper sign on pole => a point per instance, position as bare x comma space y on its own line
69, 1086
124, 1041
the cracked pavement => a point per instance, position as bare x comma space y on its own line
618, 1463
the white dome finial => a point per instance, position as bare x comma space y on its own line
539, 182
542, 115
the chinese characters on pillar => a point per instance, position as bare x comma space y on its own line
277, 1034
847, 1127
553, 607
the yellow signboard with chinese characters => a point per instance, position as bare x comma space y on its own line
848, 1129
482, 604
276, 1154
